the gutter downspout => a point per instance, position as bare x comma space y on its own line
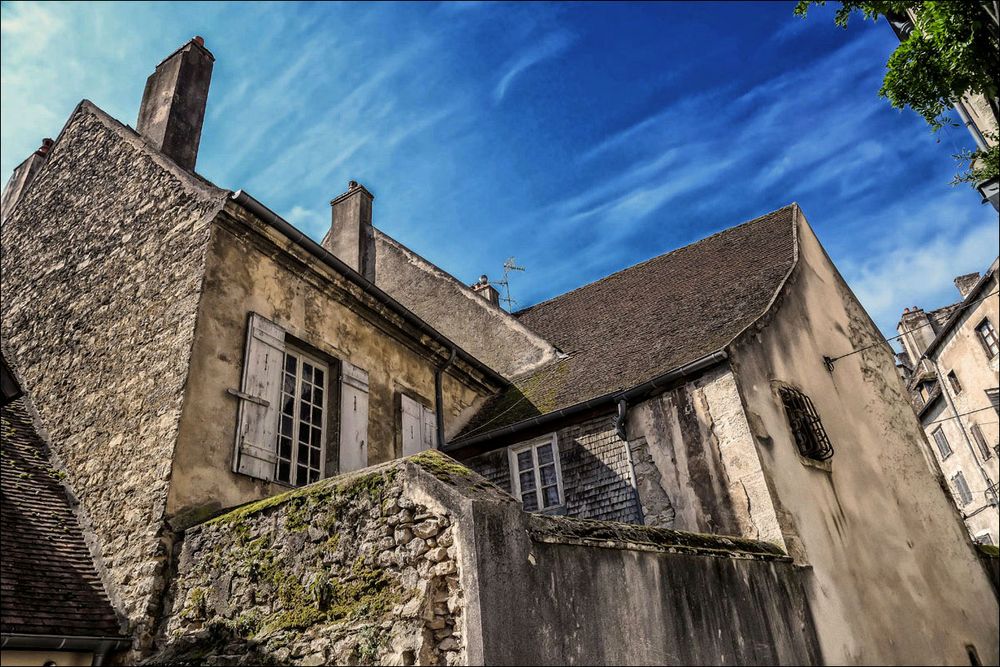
274, 220
439, 398
659, 382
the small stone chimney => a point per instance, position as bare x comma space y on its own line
966, 283
173, 104
23, 174
916, 333
351, 237
487, 291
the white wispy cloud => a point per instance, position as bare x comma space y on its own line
550, 46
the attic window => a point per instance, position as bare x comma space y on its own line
810, 436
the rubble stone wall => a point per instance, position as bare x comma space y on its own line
351, 570
102, 270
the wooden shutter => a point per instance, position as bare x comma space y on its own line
411, 425
259, 397
353, 417
429, 431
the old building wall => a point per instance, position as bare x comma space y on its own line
350, 570
252, 268
102, 270
875, 514
487, 332
967, 408
700, 461
595, 466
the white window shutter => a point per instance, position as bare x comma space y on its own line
256, 436
353, 417
411, 424
430, 428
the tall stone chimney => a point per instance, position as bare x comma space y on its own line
351, 237
915, 333
966, 283
173, 104
23, 174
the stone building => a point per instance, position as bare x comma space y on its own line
669, 467
949, 364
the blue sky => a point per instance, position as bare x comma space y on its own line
580, 139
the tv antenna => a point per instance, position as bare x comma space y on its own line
508, 266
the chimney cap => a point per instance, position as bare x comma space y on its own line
352, 187
46, 146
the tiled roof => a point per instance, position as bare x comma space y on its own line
639, 323
48, 583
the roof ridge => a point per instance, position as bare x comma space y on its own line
704, 239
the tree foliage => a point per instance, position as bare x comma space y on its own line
953, 51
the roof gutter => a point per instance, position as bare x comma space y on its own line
659, 383
276, 221
99, 646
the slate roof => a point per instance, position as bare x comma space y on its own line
48, 583
643, 321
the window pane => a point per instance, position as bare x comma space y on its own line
285, 447
306, 393
544, 454
551, 496
530, 501
318, 395
548, 475
287, 406
527, 481
291, 363
524, 460
307, 371
283, 470
288, 385
318, 376
314, 458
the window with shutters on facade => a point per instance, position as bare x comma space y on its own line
988, 337
984, 447
536, 474
302, 415
944, 449
418, 426
962, 491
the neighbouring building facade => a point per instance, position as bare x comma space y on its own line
659, 467
950, 367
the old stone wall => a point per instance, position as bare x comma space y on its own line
102, 271
596, 472
350, 570
892, 568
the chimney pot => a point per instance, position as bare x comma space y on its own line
44, 149
173, 102
199, 40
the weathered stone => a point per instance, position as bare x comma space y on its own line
436, 555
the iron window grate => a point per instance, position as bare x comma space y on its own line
810, 436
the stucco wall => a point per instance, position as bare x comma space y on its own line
702, 460
102, 268
253, 269
488, 333
894, 577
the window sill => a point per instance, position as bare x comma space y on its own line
825, 466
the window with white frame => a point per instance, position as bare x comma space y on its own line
944, 449
302, 423
962, 489
536, 475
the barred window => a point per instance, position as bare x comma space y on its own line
810, 436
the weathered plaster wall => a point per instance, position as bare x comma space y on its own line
555, 590
349, 570
700, 470
488, 333
877, 516
252, 268
102, 267
596, 472
962, 352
